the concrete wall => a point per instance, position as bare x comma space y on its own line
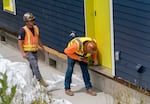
117, 90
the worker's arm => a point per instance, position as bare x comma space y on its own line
21, 36
70, 51
94, 57
20, 45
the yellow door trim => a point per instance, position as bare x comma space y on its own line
98, 26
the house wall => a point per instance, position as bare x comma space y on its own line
55, 18
132, 40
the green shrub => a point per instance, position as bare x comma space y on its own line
4, 97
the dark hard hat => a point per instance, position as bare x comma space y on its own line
28, 17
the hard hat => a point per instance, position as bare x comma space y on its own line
91, 46
28, 16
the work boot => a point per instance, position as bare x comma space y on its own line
91, 92
69, 92
42, 82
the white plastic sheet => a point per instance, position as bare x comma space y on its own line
57, 82
3, 65
61, 101
19, 74
1, 56
28, 88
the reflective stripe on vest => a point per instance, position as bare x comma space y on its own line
30, 42
79, 41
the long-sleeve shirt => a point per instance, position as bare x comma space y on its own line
71, 52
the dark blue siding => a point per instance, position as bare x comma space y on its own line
55, 18
132, 39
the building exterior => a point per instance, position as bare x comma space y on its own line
120, 27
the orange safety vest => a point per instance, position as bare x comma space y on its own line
31, 42
80, 41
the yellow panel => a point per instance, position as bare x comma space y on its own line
98, 17
9, 6
5, 3
9, 9
90, 30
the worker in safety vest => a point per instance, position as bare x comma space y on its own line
80, 49
28, 42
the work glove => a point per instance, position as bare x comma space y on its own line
95, 62
92, 62
84, 59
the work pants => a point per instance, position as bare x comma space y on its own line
85, 73
33, 61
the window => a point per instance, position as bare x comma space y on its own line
9, 6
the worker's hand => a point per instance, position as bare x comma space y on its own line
43, 50
95, 62
24, 55
84, 59
80, 58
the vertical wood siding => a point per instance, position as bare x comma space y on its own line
132, 39
55, 18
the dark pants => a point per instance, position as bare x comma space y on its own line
85, 74
33, 61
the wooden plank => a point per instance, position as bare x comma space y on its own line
56, 53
